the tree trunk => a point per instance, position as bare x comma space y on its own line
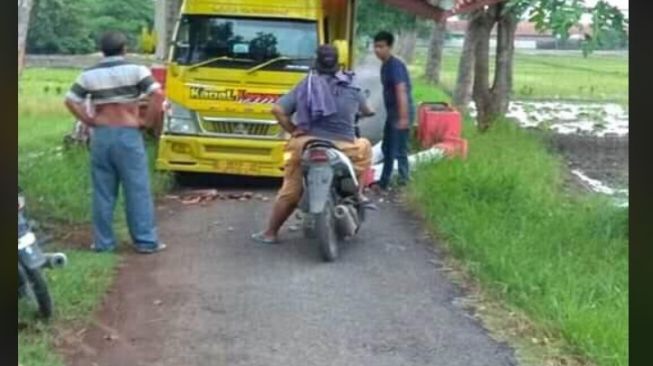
465, 78
24, 9
434, 62
474, 67
481, 91
398, 47
406, 42
166, 13
502, 86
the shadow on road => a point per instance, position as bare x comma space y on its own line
223, 181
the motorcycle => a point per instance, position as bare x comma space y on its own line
330, 206
32, 284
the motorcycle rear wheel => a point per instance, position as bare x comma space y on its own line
325, 231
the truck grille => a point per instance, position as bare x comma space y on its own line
237, 150
240, 128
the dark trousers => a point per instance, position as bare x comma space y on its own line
394, 147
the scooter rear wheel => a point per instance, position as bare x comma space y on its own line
325, 230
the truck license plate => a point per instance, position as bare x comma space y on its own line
236, 167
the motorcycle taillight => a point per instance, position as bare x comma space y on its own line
318, 155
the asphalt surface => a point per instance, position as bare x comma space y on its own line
367, 78
216, 298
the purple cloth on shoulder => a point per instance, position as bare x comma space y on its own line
315, 97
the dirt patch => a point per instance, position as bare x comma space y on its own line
73, 236
601, 158
120, 333
102, 335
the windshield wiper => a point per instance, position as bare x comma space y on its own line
275, 60
215, 59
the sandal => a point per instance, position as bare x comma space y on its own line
261, 238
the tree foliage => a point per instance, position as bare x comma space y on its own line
73, 26
59, 26
608, 24
373, 16
127, 16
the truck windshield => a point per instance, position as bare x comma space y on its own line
244, 43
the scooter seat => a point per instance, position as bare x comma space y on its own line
320, 143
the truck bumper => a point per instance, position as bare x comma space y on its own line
250, 157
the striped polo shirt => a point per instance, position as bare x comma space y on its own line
113, 80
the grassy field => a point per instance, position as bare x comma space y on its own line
567, 76
57, 187
562, 260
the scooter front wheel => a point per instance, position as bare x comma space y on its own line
36, 289
325, 230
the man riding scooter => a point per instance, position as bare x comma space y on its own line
326, 105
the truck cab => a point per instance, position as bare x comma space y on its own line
229, 61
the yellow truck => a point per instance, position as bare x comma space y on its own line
229, 60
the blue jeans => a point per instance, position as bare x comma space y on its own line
394, 147
118, 157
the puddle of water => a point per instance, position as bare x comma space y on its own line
596, 119
620, 196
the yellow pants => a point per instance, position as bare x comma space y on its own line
359, 151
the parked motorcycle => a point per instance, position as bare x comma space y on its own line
330, 205
32, 284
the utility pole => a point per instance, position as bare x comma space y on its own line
24, 9
166, 13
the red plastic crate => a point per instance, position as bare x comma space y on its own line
437, 122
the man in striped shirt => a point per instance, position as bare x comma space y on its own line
113, 88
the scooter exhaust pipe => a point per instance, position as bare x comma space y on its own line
345, 221
56, 260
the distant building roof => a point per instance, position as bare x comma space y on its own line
524, 29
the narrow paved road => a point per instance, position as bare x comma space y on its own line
367, 78
216, 298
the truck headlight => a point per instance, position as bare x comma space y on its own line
180, 119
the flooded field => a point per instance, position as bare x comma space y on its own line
593, 138
593, 119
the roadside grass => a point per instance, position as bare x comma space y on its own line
57, 187
561, 259
567, 76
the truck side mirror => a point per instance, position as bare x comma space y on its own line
343, 52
